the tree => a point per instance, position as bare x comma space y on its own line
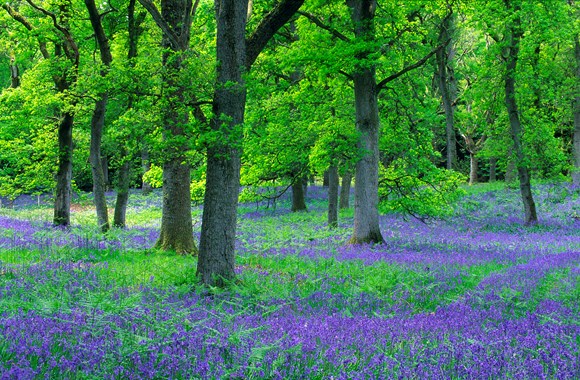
513, 35
176, 225
98, 119
576, 101
235, 53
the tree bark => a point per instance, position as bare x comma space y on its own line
345, 190
176, 225
473, 166
217, 244
576, 170
513, 34
218, 231
447, 86
63, 189
14, 74
298, 196
366, 195
98, 121
333, 197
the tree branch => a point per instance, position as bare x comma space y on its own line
405, 70
154, 12
65, 32
22, 20
318, 22
269, 25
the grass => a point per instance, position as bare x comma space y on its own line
474, 296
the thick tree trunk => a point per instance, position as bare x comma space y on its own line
345, 190
366, 194
333, 197
576, 171
217, 244
473, 166
492, 169
176, 225
64, 174
298, 196
513, 35
447, 87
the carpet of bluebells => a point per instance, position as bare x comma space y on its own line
475, 295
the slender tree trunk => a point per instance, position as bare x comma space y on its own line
98, 121
473, 166
576, 171
14, 74
325, 179
123, 179
366, 194
333, 197
64, 174
447, 86
492, 169
176, 225
345, 190
99, 187
298, 196
217, 244
513, 35
145, 166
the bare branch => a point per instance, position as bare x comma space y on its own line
318, 22
405, 70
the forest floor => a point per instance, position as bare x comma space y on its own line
473, 296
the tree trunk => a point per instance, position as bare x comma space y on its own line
298, 196
217, 245
119, 218
576, 170
14, 74
345, 190
123, 181
145, 166
333, 197
366, 194
97, 123
473, 168
492, 169
513, 35
176, 225
325, 179
447, 86
63, 189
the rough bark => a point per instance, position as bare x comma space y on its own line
473, 166
447, 86
366, 197
298, 196
576, 171
333, 197
216, 257
345, 190
513, 35
98, 120
176, 232
63, 189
